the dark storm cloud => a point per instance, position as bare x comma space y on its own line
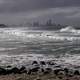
26, 5
58, 14
19, 11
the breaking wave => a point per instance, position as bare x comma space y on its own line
68, 33
70, 29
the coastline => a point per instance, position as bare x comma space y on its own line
50, 76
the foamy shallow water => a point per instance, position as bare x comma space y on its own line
69, 61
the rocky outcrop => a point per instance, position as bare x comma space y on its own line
39, 67
33, 70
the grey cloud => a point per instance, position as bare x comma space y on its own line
58, 14
55, 11
27, 5
19, 11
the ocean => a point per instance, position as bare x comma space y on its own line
19, 46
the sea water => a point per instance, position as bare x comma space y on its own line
19, 46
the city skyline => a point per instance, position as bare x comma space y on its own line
22, 11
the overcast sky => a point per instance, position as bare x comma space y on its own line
19, 11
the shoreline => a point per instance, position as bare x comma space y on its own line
50, 76
69, 61
39, 72
45, 68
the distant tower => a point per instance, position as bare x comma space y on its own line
49, 22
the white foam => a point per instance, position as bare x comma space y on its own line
18, 60
68, 29
23, 35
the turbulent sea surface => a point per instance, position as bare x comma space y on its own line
19, 46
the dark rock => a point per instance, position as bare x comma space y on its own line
8, 71
42, 70
36, 69
2, 71
57, 66
14, 70
66, 70
57, 71
42, 63
46, 71
23, 70
76, 72
9, 66
34, 62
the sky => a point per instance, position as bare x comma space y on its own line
21, 11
